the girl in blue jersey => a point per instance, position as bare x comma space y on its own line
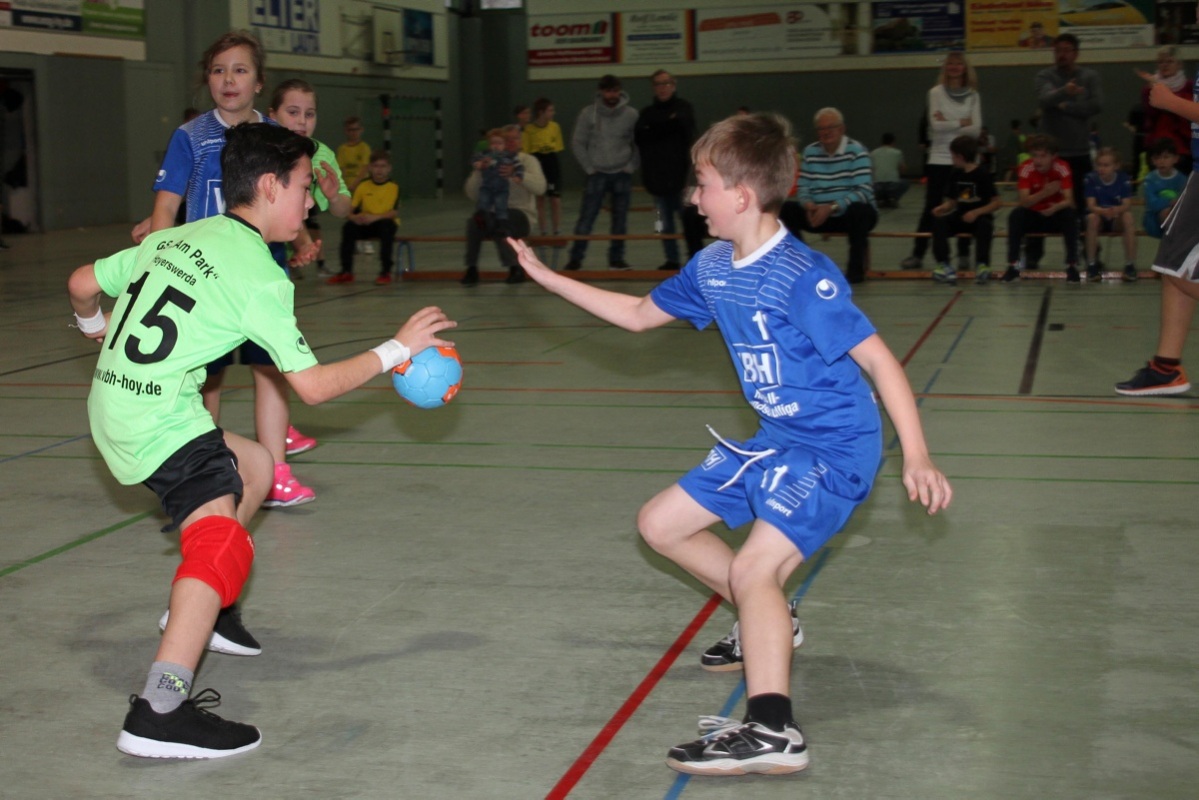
800, 347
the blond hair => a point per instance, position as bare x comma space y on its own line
753, 150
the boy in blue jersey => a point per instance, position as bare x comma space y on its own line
1109, 205
799, 346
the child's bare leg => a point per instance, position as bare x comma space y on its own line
556, 212
1092, 237
1179, 298
210, 392
1129, 232
673, 524
257, 470
271, 413
756, 578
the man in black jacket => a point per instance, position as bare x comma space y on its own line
665, 132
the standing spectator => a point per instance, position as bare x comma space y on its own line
1159, 124
1068, 97
888, 165
954, 109
602, 143
542, 139
353, 154
836, 193
1046, 205
523, 116
664, 135
522, 206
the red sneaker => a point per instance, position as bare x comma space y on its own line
341, 277
287, 491
383, 279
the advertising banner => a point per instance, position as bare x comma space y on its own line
561, 39
914, 26
655, 37
287, 26
772, 32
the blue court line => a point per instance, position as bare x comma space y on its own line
957, 340
683, 778
47, 447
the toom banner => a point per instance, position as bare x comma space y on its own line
571, 39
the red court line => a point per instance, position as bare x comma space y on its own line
568, 781
932, 326
1128, 402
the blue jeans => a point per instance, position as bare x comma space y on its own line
668, 206
620, 184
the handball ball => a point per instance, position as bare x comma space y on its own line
1167, 194
430, 378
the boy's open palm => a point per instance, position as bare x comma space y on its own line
421, 329
529, 261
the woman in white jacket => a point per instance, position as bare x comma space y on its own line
954, 109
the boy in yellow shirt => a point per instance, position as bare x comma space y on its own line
374, 216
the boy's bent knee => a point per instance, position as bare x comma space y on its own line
217, 551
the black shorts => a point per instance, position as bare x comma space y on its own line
553, 173
1178, 253
248, 353
197, 473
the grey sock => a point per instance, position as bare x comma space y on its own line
167, 686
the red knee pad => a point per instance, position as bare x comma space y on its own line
217, 551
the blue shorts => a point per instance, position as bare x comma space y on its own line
791, 488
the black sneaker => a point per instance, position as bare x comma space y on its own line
190, 731
1010, 274
619, 265
470, 277
725, 655
1150, 380
731, 747
515, 275
669, 266
229, 636
1095, 272
1130, 274
573, 265
1072, 275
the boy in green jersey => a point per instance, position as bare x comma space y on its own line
183, 297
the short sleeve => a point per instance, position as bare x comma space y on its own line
271, 323
177, 164
822, 309
680, 297
113, 272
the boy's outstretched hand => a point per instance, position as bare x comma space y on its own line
529, 261
926, 483
421, 329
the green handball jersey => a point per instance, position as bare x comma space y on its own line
185, 297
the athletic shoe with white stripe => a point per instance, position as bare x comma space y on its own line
725, 655
731, 747
190, 731
229, 636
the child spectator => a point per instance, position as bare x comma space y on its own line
210, 482
496, 167
887, 162
800, 347
353, 154
542, 139
1109, 205
1046, 205
1163, 186
969, 207
374, 217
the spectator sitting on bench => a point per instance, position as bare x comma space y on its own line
374, 216
969, 206
1109, 206
1046, 205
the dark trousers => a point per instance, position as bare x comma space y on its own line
516, 226
934, 194
1024, 221
857, 222
668, 207
384, 230
620, 185
983, 229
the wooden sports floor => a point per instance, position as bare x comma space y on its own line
466, 610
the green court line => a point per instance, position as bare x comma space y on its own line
82, 540
1032, 479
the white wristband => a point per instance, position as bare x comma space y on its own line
392, 353
93, 324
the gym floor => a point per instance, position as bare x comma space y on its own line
466, 611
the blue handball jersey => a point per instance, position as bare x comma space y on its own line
788, 322
192, 166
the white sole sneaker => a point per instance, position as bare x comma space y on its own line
216, 642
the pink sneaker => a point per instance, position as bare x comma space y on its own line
287, 491
298, 442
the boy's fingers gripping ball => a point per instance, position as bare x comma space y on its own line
430, 378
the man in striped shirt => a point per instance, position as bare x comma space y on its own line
836, 191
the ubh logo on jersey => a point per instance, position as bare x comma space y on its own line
826, 289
